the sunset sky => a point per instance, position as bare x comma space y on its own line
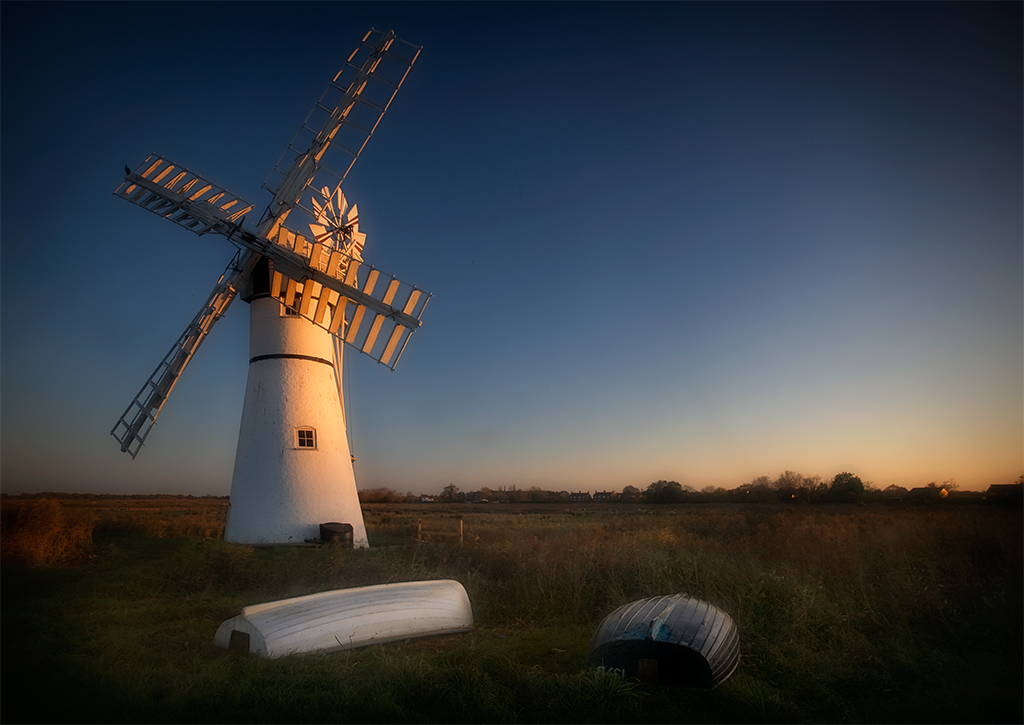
695, 242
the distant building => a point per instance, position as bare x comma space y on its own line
1010, 494
580, 497
927, 493
428, 498
603, 496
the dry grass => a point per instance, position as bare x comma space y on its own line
59, 532
846, 614
40, 532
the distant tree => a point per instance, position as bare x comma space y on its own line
450, 493
873, 492
789, 480
630, 493
491, 494
379, 495
846, 488
760, 490
821, 491
788, 485
710, 493
538, 495
664, 492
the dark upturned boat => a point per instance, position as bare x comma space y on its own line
674, 639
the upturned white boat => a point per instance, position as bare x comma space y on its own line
349, 618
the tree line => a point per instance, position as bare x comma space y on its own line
787, 487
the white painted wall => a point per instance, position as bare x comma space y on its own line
279, 492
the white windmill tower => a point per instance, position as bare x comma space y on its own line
308, 292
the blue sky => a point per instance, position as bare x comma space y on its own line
696, 242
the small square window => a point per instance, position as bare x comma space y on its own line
305, 438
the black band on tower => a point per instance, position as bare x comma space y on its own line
290, 357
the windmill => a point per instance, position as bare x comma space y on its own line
309, 293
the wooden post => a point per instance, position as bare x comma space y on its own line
460, 531
419, 531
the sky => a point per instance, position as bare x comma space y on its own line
700, 242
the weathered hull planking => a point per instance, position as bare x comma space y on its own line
349, 618
674, 639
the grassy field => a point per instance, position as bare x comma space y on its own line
846, 614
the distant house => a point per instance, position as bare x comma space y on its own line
580, 497
924, 494
1009, 494
428, 498
603, 496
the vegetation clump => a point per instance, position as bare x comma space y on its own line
39, 532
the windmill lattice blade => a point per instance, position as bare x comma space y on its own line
138, 419
197, 211
338, 127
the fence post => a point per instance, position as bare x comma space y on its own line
419, 531
460, 531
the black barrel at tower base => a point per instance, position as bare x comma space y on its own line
336, 533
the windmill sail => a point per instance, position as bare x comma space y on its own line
342, 120
175, 193
137, 420
374, 314
390, 312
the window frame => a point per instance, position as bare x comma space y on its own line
304, 443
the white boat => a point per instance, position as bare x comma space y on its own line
349, 618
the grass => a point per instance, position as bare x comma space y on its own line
846, 614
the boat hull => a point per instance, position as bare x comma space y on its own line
349, 618
673, 639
